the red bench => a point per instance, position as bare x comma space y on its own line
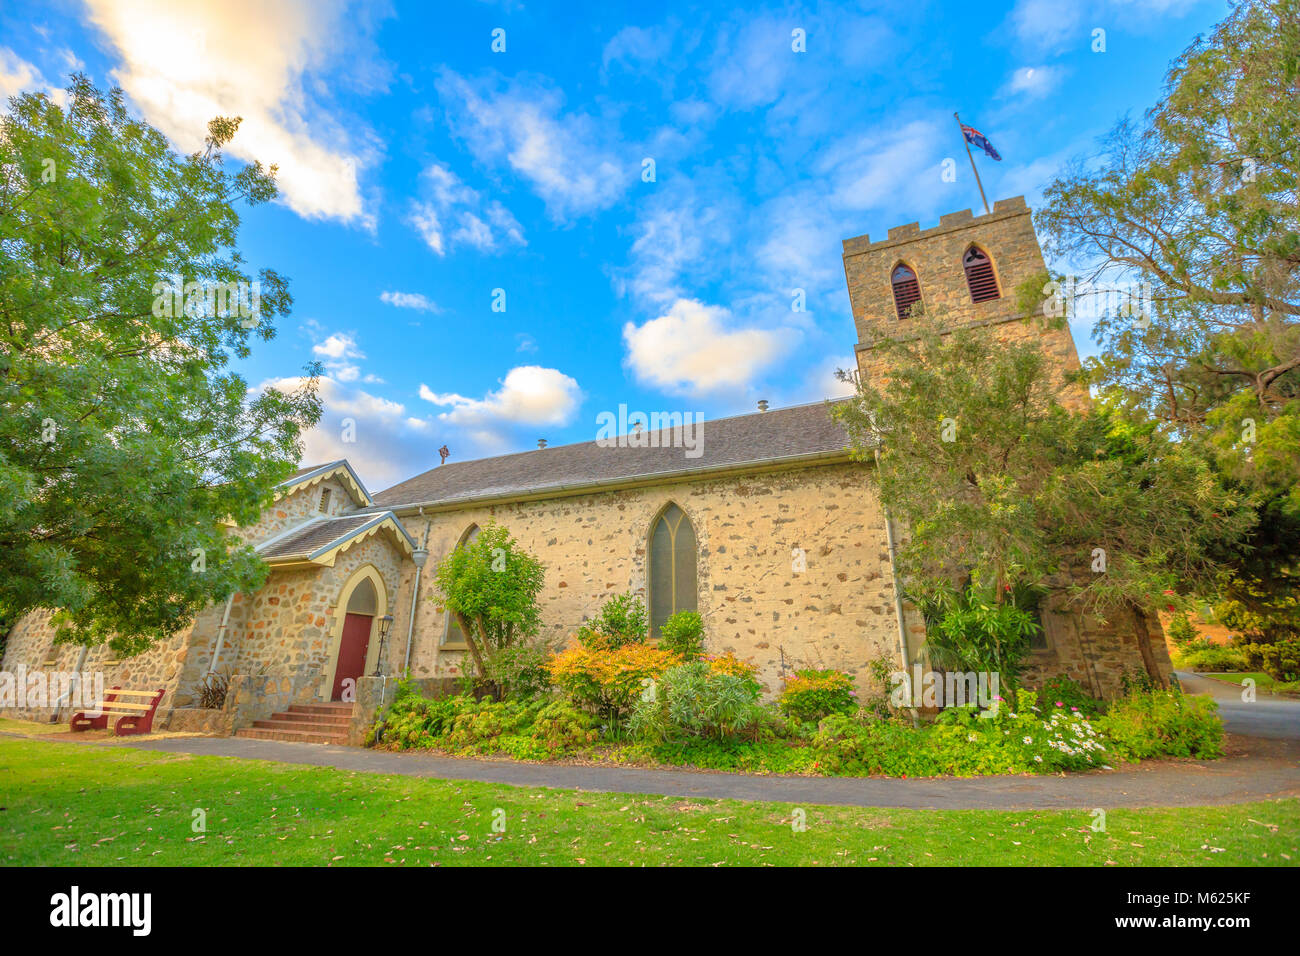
134, 710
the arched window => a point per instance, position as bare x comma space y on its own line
453, 636
672, 582
981, 281
907, 289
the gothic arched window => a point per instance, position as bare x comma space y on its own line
672, 581
981, 281
454, 636
907, 289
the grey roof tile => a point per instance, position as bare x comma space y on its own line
756, 439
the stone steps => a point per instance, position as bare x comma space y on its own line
304, 723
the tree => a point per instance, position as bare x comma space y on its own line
125, 440
491, 584
1200, 202
996, 483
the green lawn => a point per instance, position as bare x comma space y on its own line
71, 804
1263, 682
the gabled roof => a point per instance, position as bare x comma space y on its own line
314, 474
802, 434
320, 540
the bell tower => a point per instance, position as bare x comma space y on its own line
965, 270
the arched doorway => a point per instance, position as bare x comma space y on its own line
360, 606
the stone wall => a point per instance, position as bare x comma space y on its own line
839, 612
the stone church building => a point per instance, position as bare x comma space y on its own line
772, 533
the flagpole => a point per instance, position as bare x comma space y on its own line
972, 165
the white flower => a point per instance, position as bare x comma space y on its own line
1028, 740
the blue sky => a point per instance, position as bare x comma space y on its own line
421, 170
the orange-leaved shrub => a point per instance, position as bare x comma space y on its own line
608, 682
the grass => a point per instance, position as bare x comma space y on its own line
77, 804
1262, 681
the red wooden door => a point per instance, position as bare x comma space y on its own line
352, 651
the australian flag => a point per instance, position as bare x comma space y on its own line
978, 139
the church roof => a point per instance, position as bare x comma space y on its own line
318, 540
310, 475
795, 435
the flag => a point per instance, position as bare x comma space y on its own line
976, 138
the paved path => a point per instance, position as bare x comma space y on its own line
1269, 771
1277, 718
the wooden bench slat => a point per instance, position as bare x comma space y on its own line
124, 708
134, 693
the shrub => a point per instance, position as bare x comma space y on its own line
1280, 660
1201, 655
607, 682
683, 634
696, 700
560, 726
1163, 723
731, 664
1180, 630
1068, 693
520, 670
622, 621
213, 689
412, 721
962, 743
811, 695
479, 722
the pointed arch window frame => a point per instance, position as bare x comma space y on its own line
978, 290
673, 517
903, 309
453, 638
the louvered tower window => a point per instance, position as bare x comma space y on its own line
672, 567
981, 281
907, 290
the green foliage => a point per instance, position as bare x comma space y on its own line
125, 438
1199, 200
970, 631
1202, 655
1279, 660
1067, 692
1180, 630
694, 700
1163, 723
810, 695
963, 743
562, 727
622, 621
683, 634
520, 670
493, 584
1026, 489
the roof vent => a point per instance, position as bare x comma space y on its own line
762, 404
541, 443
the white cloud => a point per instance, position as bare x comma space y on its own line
388, 443
184, 62
888, 171
410, 300
338, 353
18, 76
487, 227
1046, 23
529, 395
567, 158
691, 349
